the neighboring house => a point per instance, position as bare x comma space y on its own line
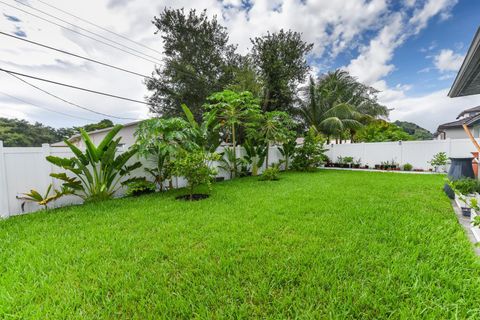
454, 130
126, 133
467, 82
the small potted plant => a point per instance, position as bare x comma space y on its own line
347, 162
407, 167
356, 163
465, 191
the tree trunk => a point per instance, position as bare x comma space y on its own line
266, 157
234, 142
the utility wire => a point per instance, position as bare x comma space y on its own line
66, 101
74, 87
45, 108
83, 29
75, 55
98, 26
79, 33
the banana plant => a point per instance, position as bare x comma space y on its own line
288, 150
255, 155
43, 200
96, 173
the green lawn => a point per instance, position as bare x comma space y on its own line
329, 244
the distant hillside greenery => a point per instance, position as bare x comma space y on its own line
417, 132
21, 133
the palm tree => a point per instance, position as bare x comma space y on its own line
275, 127
338, 105
323, 112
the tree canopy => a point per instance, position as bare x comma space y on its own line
281, 63
21, 133
198, 61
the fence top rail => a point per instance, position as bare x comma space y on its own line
402, 142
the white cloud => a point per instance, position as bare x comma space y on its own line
333, 26
431, 8
373, 62
447, 60
432, 109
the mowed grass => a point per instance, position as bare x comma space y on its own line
329, 244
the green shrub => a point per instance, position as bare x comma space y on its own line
348, 160
439, 160
309, 155
193, 166
465, 186
271, 174
139, 187
407, 167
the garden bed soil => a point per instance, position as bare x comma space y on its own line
195, 197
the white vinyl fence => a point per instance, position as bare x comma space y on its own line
23, 169
417, 153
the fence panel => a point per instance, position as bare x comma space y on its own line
417, 153
22, 169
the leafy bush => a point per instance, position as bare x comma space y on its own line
140, 186
309, 155
465, 186
97, 171
438, 160
407, 167
193, 166
348, 160
270, 174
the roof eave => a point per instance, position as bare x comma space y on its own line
469, 69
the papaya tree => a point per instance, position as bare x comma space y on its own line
96, 173
233, 110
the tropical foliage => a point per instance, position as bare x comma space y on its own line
46, 198
159, 140
233, 111
380, 131
337, 105
95, 173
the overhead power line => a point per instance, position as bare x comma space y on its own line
75, 55
83, 29
74, 87
69, 102
98, 26
79, 33
45, 108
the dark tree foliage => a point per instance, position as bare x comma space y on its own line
281, 61
21, 133
105, 123
417, 132
198, 61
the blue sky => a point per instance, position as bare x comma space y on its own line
410, 50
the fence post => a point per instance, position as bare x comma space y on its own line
4, 205
449, 140
47, 166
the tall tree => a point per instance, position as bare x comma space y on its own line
281, 61
198, 61
338, 105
